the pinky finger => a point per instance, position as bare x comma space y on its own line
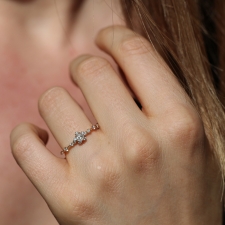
44, 170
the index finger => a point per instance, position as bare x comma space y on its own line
153, 83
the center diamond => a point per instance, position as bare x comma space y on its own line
79, 137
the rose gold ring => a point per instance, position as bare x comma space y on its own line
80, 138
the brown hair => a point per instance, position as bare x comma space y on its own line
190, 36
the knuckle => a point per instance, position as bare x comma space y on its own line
185, 127
21, 144
92, 66
82, 207
107, 171
142, 150
49, 100
134, 45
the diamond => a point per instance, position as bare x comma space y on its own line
80, 137
88, 131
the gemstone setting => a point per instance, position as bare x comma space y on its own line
80, 137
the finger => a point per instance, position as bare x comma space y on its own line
149, 77
62, 115
107, 96
46, 171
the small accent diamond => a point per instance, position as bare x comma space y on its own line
88, 131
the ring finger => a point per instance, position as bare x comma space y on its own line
62, 115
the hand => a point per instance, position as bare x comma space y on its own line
150, 166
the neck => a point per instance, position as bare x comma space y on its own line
43, 6
30, 11
59, 20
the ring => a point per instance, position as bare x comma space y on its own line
80, 137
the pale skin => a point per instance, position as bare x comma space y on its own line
35, 53
141, 167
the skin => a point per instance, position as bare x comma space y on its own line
37, 45
141, 167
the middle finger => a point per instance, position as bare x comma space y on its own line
107, 96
